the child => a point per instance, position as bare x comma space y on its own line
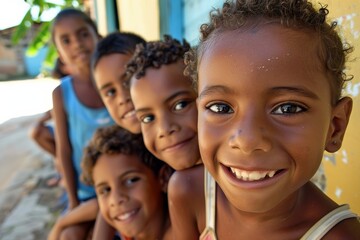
130, 184
267, 110
108, 66
164, 100
78, 108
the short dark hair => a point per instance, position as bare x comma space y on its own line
116, 140
116, 42
296, 14
155, 54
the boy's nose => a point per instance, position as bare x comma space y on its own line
250, 134
166, 126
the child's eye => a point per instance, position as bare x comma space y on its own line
130, 181
65, 41
220, 108
288, 108
181, 105
103, 191
147, 118
84, 34
111, 92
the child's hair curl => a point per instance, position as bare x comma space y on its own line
296, 14
155, 54
116, 140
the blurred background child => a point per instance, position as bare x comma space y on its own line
77, 107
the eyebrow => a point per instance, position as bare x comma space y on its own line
122, 77
121, 176
175, 95
297, 90
218, 89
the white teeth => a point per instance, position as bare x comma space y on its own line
271, 174
125, 216
251, 175
129, 114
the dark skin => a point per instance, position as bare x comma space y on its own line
277, 122
186, 198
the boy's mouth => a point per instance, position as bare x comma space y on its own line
129, 114
252, 175
125, 216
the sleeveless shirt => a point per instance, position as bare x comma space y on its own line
82, 123
316, 232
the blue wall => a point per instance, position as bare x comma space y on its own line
33, 64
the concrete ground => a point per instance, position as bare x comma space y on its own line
28, 207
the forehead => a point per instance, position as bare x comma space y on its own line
269, 55
109, 164
69, 24
112, 62
157, 80
262, 46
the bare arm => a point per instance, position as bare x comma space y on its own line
187, 204
63, 149
84, 212
102, 229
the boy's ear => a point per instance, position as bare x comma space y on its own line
164, 176
340, 119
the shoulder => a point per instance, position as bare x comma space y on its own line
57, 95
346, 229
185, 182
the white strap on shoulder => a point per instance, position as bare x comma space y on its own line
210, 199
325, 224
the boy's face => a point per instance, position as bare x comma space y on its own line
109, 75
129, 194
165, 105
265, 116
75, 41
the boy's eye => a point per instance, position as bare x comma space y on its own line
288, 108
130, 181
181, 105
220, 108
110, 92
147, 118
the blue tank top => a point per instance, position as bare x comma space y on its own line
82, 123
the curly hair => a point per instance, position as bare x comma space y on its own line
116, 140
155, 54
296, 14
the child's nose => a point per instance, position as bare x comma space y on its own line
166, 126
117, 198
250, 134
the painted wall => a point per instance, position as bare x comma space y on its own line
141, 17
342, 168
196, 12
